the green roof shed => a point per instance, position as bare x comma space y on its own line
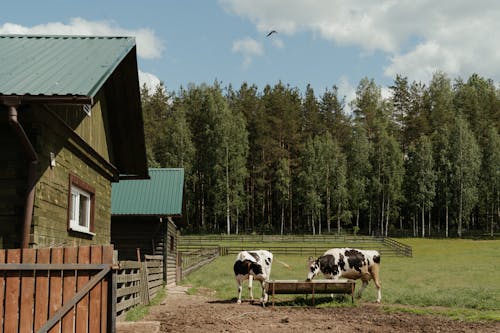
161, 195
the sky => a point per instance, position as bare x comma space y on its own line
318, 42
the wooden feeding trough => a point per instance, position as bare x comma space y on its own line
313, 287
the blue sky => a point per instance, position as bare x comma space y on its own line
319, 42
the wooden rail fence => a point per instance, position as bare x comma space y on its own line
137, 283
56, 290
233, 244
191, 260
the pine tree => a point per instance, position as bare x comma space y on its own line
465, 159
421, 177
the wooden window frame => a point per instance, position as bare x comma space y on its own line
76, 183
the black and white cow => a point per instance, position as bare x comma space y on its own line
350, 264
253, 265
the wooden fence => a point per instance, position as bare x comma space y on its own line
319, 244
56, 290
137, 283
191, 260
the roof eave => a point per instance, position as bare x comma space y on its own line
15, 100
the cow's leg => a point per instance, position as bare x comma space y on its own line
363, 286
262, 280
264, 293
378, 284
239, 281
250, 290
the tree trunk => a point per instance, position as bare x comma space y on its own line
312, 224
282, 217
429, 223
327, 205
423, 221
237, 221
290, 192
387, 216
319, 224
338, 219
370, 221
382, 217
414, 222
460, 212
228, 219
446, 221
492, 219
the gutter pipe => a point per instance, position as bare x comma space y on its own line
32, 174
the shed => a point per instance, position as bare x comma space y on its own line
145, 216
70, 125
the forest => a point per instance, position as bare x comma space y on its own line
424, 162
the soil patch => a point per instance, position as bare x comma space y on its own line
203, 313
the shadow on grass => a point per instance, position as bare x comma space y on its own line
300, 301
319, 302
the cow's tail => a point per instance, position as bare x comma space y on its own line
283, 263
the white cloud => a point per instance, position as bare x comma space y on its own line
249, 48
150, 80
347, 90
278, 43
419, 37
149, 46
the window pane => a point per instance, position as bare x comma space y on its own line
84, 211
74, 206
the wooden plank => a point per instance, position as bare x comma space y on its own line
312, 287
301, 287
95, 293
2, 289
129, 264
127, 304
69, 287
42, 289
82, 311
107, 310
12, 293
144, 285
124, 291
27, 295
155, 270
51, 267
124, 278
83, 292
155, 283
153, 277
55, 296
153, 257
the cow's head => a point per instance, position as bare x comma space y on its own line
313, 268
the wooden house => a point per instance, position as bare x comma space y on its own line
145, 217
70, 125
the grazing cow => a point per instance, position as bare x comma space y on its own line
350, 264
253, 265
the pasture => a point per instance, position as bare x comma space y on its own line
457, 278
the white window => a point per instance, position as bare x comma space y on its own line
80, 207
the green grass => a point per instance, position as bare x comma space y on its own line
141, 311
461, 277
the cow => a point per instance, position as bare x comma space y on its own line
253, 265
350, 264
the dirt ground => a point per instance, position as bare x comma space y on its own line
184, 313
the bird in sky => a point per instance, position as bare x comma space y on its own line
271, 32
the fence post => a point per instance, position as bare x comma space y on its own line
178, 265
144, 283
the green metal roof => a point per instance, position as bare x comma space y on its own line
159, 196
59, 65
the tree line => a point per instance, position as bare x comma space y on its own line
424, 162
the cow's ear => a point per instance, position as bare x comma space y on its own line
310, 261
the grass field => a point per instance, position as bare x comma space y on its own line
458, 278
